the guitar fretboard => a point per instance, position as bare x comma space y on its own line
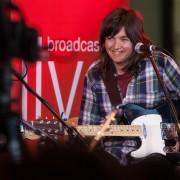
113, 130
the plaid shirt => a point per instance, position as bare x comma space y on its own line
144, 89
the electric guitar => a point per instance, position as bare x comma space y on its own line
149, 127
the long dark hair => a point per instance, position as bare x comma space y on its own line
133, 23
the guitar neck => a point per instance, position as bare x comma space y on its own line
114, 130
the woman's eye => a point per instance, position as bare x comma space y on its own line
109, 37
125, 39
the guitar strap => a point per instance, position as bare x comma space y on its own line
114, 92
112, 88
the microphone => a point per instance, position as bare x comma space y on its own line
140, 48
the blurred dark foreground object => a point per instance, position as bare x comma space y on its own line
66, 163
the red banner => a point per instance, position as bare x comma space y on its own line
70, 31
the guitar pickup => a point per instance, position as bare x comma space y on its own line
168, 131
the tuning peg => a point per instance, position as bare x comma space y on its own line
49, 130
38, 117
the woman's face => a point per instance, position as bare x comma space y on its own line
119, 48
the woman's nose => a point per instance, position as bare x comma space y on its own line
117, 43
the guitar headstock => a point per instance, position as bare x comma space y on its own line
51, 126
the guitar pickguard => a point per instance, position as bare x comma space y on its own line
151, 140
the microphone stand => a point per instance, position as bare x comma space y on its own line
71, 130
170, 103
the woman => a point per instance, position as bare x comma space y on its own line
122, 76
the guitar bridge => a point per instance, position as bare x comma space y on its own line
168, 131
